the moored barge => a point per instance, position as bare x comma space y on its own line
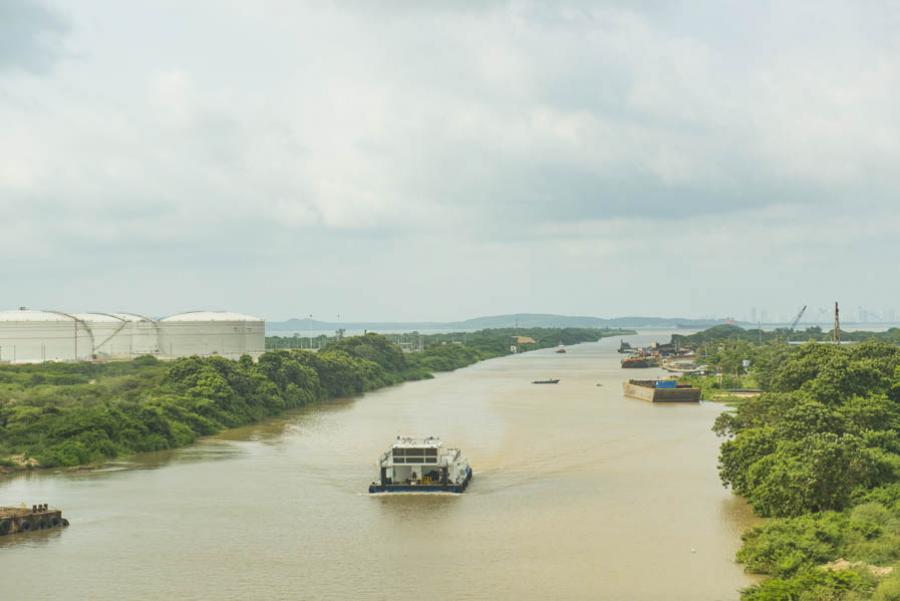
14, 520
640, 361
661, 391
421, 465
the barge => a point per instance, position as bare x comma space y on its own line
640, 361
661, 391
14, 520
421, 465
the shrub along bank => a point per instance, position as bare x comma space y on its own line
68, 414
819, 452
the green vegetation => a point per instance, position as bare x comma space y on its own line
724, 332
723, 349
494, 342
721, 387
69, 414
819, 452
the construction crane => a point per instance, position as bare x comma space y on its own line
797, 319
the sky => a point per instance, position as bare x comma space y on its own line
415, 160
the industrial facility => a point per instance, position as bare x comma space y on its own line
30, 336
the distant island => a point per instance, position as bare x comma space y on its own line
523, 320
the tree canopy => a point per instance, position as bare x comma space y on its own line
820, 450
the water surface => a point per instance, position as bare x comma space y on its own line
578, 493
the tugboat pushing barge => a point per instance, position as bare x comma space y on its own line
421, 465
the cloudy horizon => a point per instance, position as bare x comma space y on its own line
402, 161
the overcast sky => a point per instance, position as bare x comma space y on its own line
408, 160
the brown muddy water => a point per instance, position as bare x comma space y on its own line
578, 493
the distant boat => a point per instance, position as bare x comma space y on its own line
548, 381
640, 361
624, 347
560, 348
661, 391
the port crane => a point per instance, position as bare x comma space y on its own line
797, 319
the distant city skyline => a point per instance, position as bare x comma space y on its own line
441, 161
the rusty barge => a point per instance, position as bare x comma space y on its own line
14, 520
661, 391
640, 361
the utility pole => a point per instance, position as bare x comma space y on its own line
836, 334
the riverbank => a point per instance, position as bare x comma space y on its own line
818, 453
67, 415
723, 389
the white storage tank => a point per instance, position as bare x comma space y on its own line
206, 333
144, 333
29, 336
110, 335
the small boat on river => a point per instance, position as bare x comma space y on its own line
547, 381
421, 465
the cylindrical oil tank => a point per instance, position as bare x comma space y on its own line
29, 336
110, 335
206, 333
144, 334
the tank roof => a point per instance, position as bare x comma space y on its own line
131, 317
210, 316
31, 315
98, 317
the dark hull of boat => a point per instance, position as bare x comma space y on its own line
546, 382
375, 487
640, 363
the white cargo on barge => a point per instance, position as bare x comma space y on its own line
421, 465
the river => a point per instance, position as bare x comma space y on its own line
578, 493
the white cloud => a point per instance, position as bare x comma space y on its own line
469, 137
